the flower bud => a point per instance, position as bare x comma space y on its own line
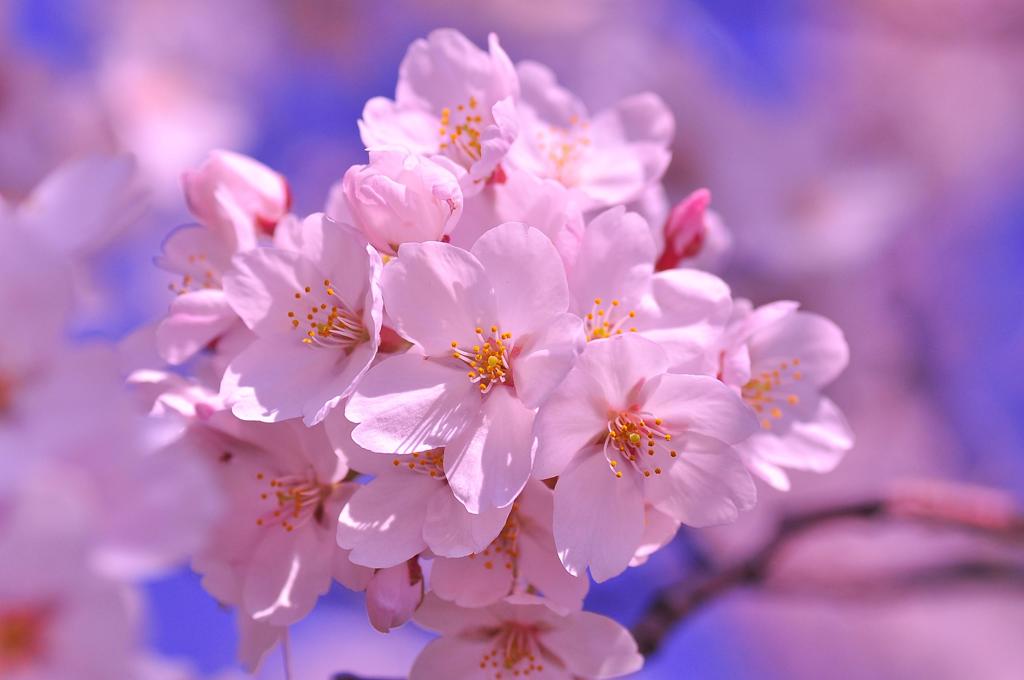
400, 198
685, 230
394, 594
235, 193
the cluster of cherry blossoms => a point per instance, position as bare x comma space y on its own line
491, 364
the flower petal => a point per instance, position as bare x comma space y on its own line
383, 521
701, 404
615, 261
436, 293
452, 531
544, 358
488, 463
525, 302
594, 646
409, 403
706, 485
598, 519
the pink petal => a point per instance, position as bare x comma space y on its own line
525, 303
575, 415
383, 521
701, 404
468, 582
621, 366
544, 358
409, 403
393, 595
814, 340
449, 658
195, 320
706, 485
436, 293
286, 575
615, 260
599, 518
593, 646
262, 286
488, 463
273, 378
452, 531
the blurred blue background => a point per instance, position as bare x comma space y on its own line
867, 155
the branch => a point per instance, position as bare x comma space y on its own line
981, 511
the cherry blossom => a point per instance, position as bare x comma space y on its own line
237, 201
620, 430
521, 636
490, 345
273, 553
406, 508
779, 359
398, 198
521, 559
317, 316
609, 159
616, 291
452, 100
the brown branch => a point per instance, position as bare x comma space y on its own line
964, 508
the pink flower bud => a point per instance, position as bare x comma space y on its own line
400, 198
234, 192
394, 594
685, 230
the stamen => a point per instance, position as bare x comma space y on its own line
489, 359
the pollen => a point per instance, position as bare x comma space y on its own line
604, 321
488, 359
331, 322
632, 434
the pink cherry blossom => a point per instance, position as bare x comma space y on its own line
779, 359
453, 100
615, 291
317, 316
273, 553
490, 346
523, 637
236, 200
407, 508
399, 198
609, 159
393, 595
521, 559
620, 430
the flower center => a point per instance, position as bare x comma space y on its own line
515, 649
293, 501
426, 463
604, 321
504, 548
565, 149
488, 360
328, 322
637, 439
21, 637
460, 132
762, 393
196, 274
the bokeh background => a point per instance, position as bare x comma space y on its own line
868, 157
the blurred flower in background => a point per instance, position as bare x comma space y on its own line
864, 157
